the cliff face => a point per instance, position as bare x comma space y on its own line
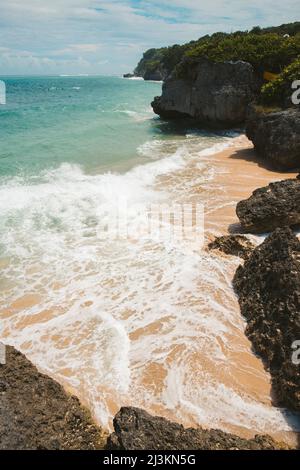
268, 287
276, 136
156, 74
214, 94
36, 412
152, 65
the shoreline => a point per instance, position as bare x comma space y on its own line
248, 371
245, 172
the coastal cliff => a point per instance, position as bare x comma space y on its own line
214, 80
159, 63
214, 94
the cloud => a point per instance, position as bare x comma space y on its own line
105, 36
75, 49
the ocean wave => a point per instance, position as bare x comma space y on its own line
137, 116
149, 323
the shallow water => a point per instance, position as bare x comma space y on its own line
148, 322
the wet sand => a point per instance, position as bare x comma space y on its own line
221, 382
239, 173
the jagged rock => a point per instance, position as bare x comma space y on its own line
128, 75
135, 429
36, 412
268, 287
236, 245
215, 94
276, 205
276, 136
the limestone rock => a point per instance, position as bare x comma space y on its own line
275, 205
214, 94
268, 286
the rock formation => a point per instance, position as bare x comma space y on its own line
276, 136
276, 205
135, 429
214, 94
36, 412
236, 245
268, 287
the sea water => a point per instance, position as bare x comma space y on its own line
143, 322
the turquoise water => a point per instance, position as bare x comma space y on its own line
92, 121
131, 321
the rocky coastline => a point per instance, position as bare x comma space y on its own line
213, 94
276, 205
135, 429
37, 414
276, 136
268, 288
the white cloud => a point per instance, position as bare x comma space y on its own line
102, 35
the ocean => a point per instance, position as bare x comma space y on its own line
133, 321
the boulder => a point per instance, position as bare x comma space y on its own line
236, 245
214, 94
268, 287
36, 412
275, 205
135, 429
276, 136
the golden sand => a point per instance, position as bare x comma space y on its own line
237, 172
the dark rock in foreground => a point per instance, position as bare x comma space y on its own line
135, 429
36, 412
276, 137
276, 205
214, 94
236, 245
128, 75
268, 286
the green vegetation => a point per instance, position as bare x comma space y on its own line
264, 48
279, 91
269, 51
164, 59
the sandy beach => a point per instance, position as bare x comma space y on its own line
188, 359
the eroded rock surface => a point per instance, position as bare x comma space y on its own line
214, 94
135, 429
276, 205
236, 245
276, 136
268, 287
36, 412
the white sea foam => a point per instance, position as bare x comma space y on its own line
137, 116
132, 78
107, 310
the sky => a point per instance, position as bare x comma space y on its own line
50, 37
